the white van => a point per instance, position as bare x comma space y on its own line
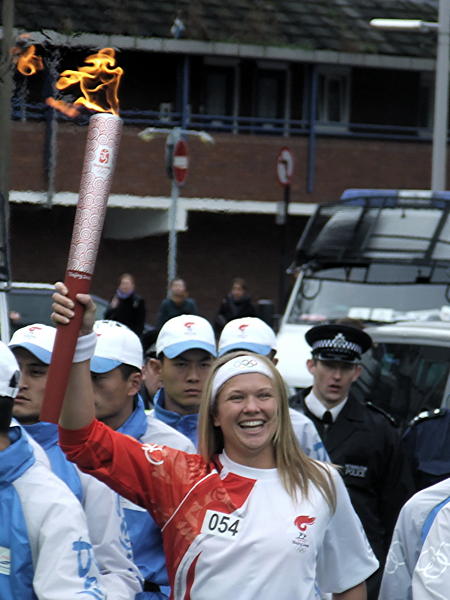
378, 256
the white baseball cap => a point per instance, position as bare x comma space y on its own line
186, 332
116, 345
9, 372
248, 333
37, 339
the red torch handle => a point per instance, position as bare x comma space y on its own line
63, 349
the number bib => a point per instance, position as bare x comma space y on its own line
221, 524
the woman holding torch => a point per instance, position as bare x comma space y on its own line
251, 516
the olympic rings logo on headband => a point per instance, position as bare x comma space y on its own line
245, 362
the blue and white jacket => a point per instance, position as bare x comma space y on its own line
144, 533
185, 424
45, 550
104, 515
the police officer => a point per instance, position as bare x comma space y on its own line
427, 444
361, 438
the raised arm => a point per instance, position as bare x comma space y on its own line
78, 408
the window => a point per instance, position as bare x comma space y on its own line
333, 97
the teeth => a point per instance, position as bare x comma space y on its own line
252, 424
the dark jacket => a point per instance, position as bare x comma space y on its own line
130, 311
168, 309
366, 444
233, 309
427, 442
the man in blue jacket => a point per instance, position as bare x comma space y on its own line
45, 550
185, 348
32, 347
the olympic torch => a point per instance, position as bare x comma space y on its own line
98, 168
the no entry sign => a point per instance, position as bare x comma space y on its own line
285, 166
180, 162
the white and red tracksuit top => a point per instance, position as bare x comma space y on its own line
230, 531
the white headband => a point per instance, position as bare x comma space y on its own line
238, 366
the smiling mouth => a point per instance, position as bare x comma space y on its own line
252, 424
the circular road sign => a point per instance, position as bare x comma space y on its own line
285, 166
180, 162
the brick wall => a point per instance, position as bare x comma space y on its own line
217, 247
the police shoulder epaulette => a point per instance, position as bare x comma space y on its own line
427, 414
383, 412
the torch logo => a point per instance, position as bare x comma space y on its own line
104, 156
303, 521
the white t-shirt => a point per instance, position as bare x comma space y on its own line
231, 531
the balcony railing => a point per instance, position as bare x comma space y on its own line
236, 124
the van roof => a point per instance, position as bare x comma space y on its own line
403, 226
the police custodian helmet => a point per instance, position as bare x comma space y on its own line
338, 342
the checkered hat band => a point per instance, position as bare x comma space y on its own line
337, 344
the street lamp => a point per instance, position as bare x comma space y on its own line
173, 136
440, 122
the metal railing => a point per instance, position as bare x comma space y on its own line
238, 124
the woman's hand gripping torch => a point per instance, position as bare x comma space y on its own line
99, 160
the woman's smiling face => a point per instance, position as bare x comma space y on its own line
247, 413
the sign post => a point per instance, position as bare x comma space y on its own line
285, 170
177, 163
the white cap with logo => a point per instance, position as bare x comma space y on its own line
37, 339
116, 345
9, 372
186, 332
247, 333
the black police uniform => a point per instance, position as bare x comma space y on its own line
365, 443
427, 443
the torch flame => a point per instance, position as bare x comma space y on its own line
67, 109
28, 62
99, 81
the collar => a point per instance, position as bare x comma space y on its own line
169, 416
45, 434
229, 466
15, 459
136, 424
317, 408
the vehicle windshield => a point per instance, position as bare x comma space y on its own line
360, 294
34, 306
404, 379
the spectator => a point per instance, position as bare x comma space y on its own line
177, 303
250, 488
359, 437
253, 334
237, 303
116, 378
45, 547
126, 306
32, 347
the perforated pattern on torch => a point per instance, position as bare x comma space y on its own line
102, 145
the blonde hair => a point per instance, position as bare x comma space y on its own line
296, 469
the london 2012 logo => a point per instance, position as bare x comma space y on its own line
103, 157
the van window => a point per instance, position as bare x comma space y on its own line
404, 379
